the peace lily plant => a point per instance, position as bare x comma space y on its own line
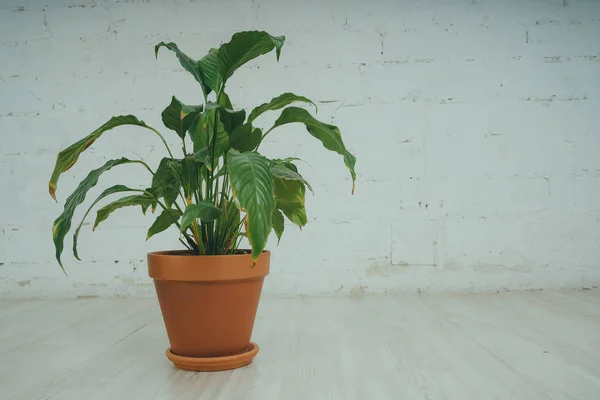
218, 191
221, 188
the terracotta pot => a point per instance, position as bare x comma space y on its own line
208, 303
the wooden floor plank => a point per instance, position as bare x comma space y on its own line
538, 345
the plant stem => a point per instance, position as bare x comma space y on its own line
161, 138
175, 220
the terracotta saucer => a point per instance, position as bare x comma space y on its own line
214, 363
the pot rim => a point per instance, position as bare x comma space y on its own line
186, 253
174, 266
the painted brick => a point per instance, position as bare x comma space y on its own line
475, 125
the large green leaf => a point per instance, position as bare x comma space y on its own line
231, 119
278, 223
329, 135
63, 223
205, 211
68, 157
290, 199
287, 170
245, 46
189, 64
163, 221
245, 138
178, 116
278, 102
167, 180
107, 192
209, 70
252, 185
127, 201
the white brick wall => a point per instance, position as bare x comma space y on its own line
475, 124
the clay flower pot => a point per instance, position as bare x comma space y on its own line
208, 305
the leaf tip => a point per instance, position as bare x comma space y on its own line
62, 267
353, 187
52, 190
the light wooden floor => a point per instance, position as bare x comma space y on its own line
535, 345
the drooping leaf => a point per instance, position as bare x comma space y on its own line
245, 138
63, 223
231, 119
245, 46
127, 201
209, 70
107, 192
205, 211
287, 171
166, 180
163, 221
278, 102
278, 223
189, 64
252, 186
178, 116
68, 157
329, 135
289, 196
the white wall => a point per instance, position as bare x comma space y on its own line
475, 124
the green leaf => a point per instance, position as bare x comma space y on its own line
224, 101
163, 221
205, 211
63, 223
209, 70
203, 156
189, 175
68, 157
189, 64
222, 171
278, 223
231, 119
290, 199
245, 46
127, 201
178, 116
203, 128
329, 135
232, 216
287, 171
245, 138
167, 180
252, 186
278, 102
107, 192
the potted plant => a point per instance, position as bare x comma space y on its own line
220, 190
